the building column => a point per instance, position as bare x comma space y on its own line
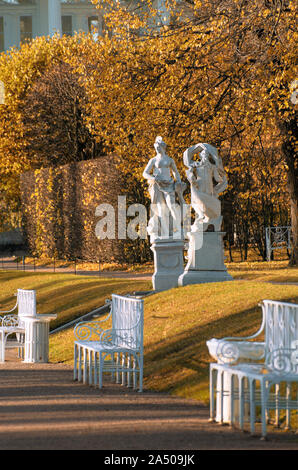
54, 9
11, 31
50, 17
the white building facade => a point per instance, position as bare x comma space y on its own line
22, 20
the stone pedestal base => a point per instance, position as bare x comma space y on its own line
168, 262
205, 259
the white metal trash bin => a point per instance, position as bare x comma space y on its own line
37, 338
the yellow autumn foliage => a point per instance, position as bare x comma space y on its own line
220, 72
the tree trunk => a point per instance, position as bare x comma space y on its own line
293, 191
290, 130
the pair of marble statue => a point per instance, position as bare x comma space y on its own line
207, 179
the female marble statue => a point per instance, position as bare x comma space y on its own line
159, 172
204, 193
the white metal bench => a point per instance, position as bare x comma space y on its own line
13, 324
267, 378
117, 350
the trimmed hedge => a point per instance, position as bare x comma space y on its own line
58, 207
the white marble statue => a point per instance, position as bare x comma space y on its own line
204, 192
164, 183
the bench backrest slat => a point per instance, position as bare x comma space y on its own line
128, 321
281, 334
26, 304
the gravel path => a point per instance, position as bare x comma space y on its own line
42, 408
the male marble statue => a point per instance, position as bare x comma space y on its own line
204, 193
159, 172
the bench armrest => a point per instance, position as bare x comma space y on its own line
247, 338
86, 330
231, 351
9, 311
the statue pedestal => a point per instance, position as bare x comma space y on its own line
168, 262
205, 259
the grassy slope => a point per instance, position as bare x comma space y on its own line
177, 322
67, 295
180, 321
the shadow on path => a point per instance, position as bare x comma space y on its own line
41, 407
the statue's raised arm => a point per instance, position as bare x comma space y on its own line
204, 193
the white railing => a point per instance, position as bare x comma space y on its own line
277, 238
